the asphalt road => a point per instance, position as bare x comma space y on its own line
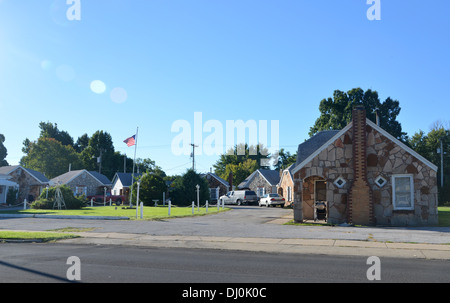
241, 221
31, 263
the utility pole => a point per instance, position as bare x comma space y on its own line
193, 155
442, 165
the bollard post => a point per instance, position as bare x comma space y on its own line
193, 206
223, 204
218, 204
170, 204
206, 205
164, 199
110, 201
25, 204
92, 202
142, 210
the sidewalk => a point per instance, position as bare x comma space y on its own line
271, 245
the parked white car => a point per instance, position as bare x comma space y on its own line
271, 200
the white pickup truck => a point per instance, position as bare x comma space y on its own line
239, 197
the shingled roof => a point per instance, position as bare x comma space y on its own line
271, 176
313, 144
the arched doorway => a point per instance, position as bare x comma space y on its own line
314, 189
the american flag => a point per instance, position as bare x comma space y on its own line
130, 141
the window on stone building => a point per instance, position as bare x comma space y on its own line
340, 182
403, 192
380, 181
260, 191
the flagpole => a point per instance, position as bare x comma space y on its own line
132, 175
135, 148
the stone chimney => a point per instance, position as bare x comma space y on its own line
360, 210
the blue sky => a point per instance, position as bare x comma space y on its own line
230, 60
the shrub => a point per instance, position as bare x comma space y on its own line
11, 196
70, 200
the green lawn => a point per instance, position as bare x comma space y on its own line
149, 213
40, 236
444, 216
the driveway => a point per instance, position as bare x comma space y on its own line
241, 221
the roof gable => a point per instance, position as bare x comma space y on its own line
35, 174
125, 178
271, 176
302, 161
218, 178
71, 175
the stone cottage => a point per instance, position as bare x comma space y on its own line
30, 183
262, 181
365, 176
285, 187
217, 186
83, 182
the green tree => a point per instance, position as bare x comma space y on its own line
100, 155
3, 152
184, 189
427, 145
51, 157
151, 188
240, 171
239, 154
285, 159
50, 130
336, 112
82, 143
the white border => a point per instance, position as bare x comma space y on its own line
411, 182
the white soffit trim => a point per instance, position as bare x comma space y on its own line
323, 147
399, 143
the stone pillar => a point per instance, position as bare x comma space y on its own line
298, 202
360, 210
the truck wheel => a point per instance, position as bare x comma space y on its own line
238, 202
118, 202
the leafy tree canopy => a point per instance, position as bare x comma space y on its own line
3, 152
239, 154
184, 189
336, 112
51, 157
151, 188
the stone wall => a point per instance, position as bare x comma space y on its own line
85, 179
214, 183
282, 189
258, 182
384, 158
29, 187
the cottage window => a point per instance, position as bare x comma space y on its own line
380, 181
340, 182
260, 191
403, 192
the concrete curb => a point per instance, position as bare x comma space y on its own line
271, 245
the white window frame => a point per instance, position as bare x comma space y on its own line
336, 182
411, 182
261, 191
383, 183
